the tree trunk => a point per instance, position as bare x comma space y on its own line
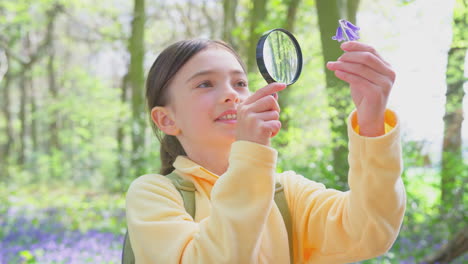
6, 147
257, 15
451, 150
453, 167
121, 132
54, 143
136, 83
24, 83
22, 117
48, 46
33, 103
230, 10
339, 99
291, 16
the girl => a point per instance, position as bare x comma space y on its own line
215, 133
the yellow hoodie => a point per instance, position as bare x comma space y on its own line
238, 222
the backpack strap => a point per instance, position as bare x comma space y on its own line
186, 190
282, 204
127, 252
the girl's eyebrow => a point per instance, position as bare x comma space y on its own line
205, 72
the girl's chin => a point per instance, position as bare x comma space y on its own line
221, 144
229, 139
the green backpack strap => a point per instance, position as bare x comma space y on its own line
127, 253
186, 190
282, 204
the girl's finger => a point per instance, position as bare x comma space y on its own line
266, 103
360, 84
267, 116
370, 60
350, 46
265, 91
363, 71
272, 127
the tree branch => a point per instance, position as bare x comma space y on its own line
28, 62
11, 54
94, 29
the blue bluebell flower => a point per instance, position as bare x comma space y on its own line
346, 31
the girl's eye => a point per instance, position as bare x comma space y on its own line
205, 84
241, 84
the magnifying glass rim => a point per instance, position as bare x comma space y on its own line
261, 63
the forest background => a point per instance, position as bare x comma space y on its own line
74, 130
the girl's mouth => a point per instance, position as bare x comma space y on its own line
228, 117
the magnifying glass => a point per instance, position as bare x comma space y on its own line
279, 56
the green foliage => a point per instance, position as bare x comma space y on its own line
27, 257
460, 21
80, 207
88, 129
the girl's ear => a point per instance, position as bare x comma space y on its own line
161, 117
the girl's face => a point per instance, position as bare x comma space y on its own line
204, 95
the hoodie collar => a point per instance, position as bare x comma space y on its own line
189, 168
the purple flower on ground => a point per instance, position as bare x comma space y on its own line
346, 31
43, 238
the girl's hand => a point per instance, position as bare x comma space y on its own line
371, 78
258, 115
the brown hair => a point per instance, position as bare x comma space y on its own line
163, 70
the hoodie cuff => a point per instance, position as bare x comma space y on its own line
390, 119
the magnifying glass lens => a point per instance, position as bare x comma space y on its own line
279, 57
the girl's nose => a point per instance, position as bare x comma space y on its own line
231, 95
235, 100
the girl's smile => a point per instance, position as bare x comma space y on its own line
228, 117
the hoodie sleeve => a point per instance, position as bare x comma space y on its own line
341, 227
162, 232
